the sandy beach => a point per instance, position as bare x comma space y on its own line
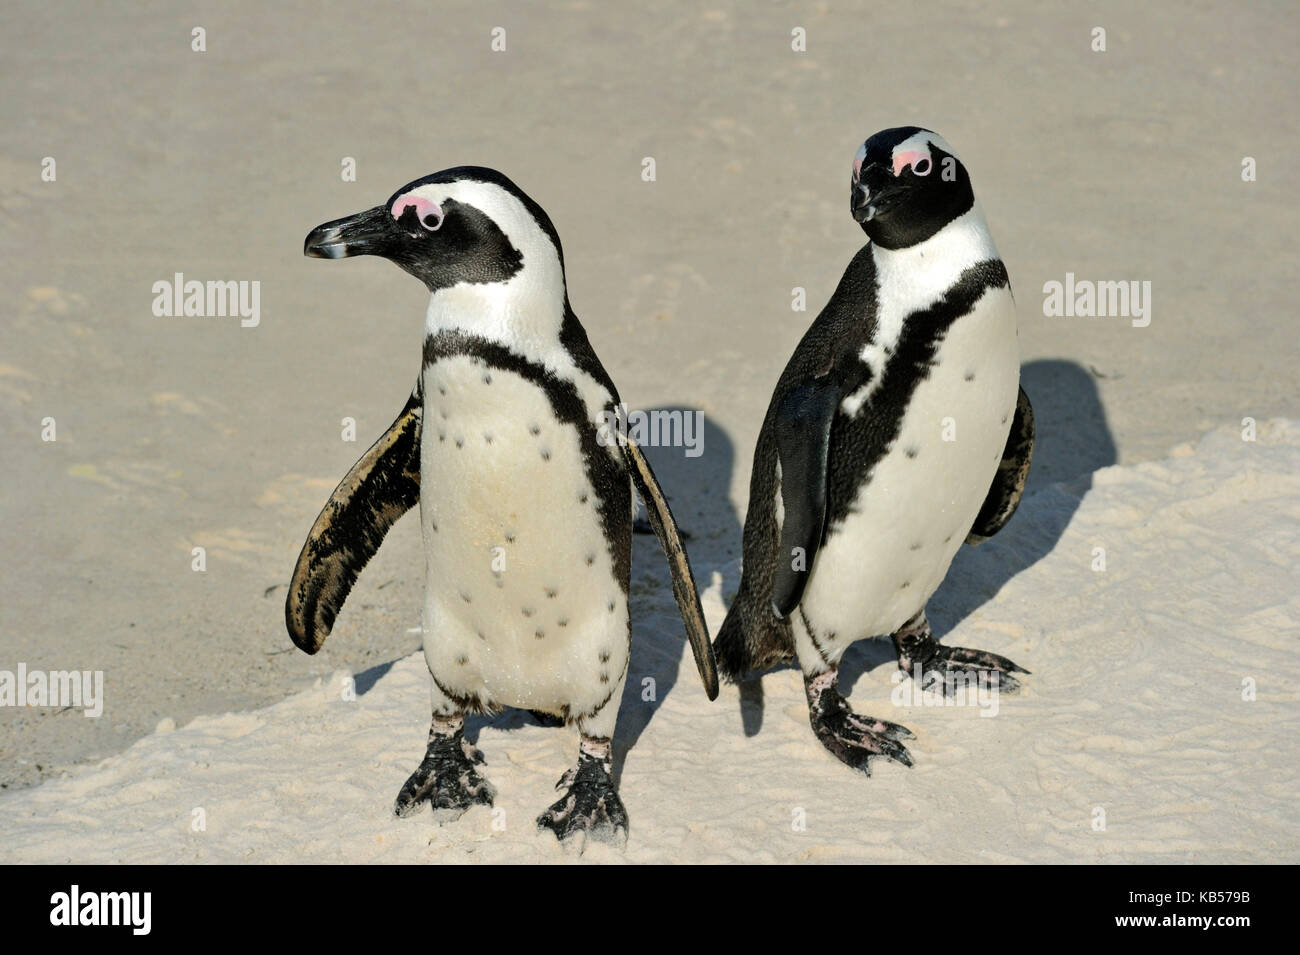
131, 438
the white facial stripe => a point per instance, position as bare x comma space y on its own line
524, 313
529, 306
428, 213
503, 208
918, 144
858, 159
921, 142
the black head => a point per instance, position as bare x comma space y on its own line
907, 185
467, 224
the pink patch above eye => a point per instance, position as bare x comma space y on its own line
910, 158
424, 209
857, 168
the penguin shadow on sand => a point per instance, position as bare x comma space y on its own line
1072, 440
696, 478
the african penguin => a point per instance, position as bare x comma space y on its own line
525, 501
896, 432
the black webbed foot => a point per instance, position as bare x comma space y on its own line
854, 740
446, 779
590, 808
948, 670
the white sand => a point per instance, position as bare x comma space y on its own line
1135, 707
176, 433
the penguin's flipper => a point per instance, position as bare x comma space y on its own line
1009, 483
803, 437
688, 599
379, 489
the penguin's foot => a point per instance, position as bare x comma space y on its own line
948, 670
854, 740
590, 808
446, 779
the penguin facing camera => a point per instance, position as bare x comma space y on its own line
897, 431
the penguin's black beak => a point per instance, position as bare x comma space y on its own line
872, 192
366, 233
859, 205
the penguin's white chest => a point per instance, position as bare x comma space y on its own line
879, 566
522, 604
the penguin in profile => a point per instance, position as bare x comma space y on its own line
525, 495
897, 431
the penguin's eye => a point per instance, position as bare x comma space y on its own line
922, 166
427, 213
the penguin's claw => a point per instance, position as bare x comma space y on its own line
472, 753
867, 724
447, 780
947, 669
590, 809
567, 779
851, 738
855, 746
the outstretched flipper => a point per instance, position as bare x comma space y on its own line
803, 437
688, 599
1009, 483
379, 489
